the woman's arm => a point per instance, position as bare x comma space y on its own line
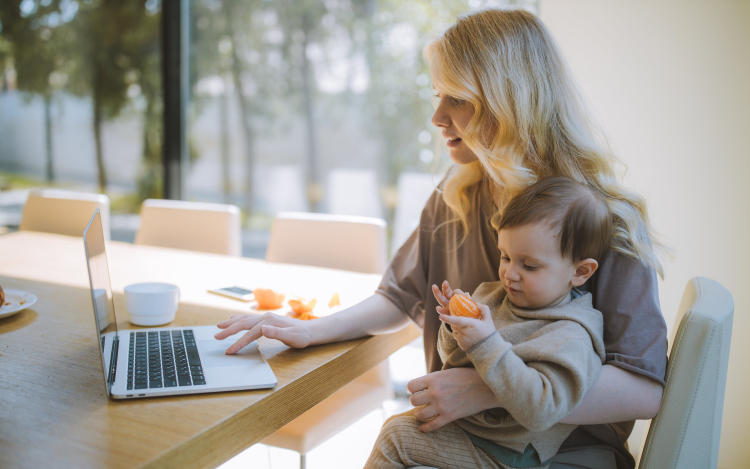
374, 315
617, 396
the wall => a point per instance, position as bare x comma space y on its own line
668, 81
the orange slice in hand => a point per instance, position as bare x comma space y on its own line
334, 301
268, 299
461, 305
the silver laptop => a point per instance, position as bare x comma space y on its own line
163, 361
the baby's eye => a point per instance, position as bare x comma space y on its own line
529, 267
504, 258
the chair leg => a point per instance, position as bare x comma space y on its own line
302, 461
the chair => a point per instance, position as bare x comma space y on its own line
414, 190
63, 212
335, 241
193, 226
686, 431
341, 242
353, 192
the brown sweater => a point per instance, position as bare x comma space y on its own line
539, 364
624, 290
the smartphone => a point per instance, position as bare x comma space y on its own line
238, 293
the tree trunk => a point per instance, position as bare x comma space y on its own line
98, 143
313, 185
247, 126
48, 136
224, 143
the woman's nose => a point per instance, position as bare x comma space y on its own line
439, 117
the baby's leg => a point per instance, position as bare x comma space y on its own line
400, 444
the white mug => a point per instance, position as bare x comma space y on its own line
151, 304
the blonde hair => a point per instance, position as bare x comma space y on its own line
506, 64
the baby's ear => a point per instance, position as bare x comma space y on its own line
584, 270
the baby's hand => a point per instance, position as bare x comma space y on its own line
444, 297
468, 332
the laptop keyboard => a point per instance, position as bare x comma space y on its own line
166, 359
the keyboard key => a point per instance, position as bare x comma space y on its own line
154, 384
170, 383
141, 386
198, 381
184, 381
130, 386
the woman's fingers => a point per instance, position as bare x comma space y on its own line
420, 398
246, 339
234, 325
425, 413
417, 384
232, 320
434, 424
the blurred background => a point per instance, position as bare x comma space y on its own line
324, 105
319, 105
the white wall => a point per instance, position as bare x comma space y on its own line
669, 82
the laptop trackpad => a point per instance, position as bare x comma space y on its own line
213, 354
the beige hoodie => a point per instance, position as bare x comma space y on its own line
539, 364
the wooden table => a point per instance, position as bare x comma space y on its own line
54, 410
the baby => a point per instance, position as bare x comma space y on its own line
537, 343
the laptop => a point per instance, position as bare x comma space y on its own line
163, 361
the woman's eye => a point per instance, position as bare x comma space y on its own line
505, 258
456, 100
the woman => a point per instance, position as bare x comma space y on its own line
512, 115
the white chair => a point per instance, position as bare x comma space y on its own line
351, 243
63, 212
193, 226
414, 189
353, 192
324, 240
685, 433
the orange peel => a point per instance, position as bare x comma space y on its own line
268, 299
300, 305
334, 301
307, 316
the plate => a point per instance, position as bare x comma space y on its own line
16, 301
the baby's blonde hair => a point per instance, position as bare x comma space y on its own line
506, 64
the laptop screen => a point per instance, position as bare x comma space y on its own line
101, 291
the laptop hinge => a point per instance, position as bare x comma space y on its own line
113, 361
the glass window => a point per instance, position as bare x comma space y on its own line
80, 102
320, 106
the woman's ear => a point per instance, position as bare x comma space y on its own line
584, 270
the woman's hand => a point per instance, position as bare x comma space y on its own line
449, 395
290, 331
374, 315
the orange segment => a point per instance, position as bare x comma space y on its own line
307, 316
268, 299
334, 301
299, 306
461, 305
